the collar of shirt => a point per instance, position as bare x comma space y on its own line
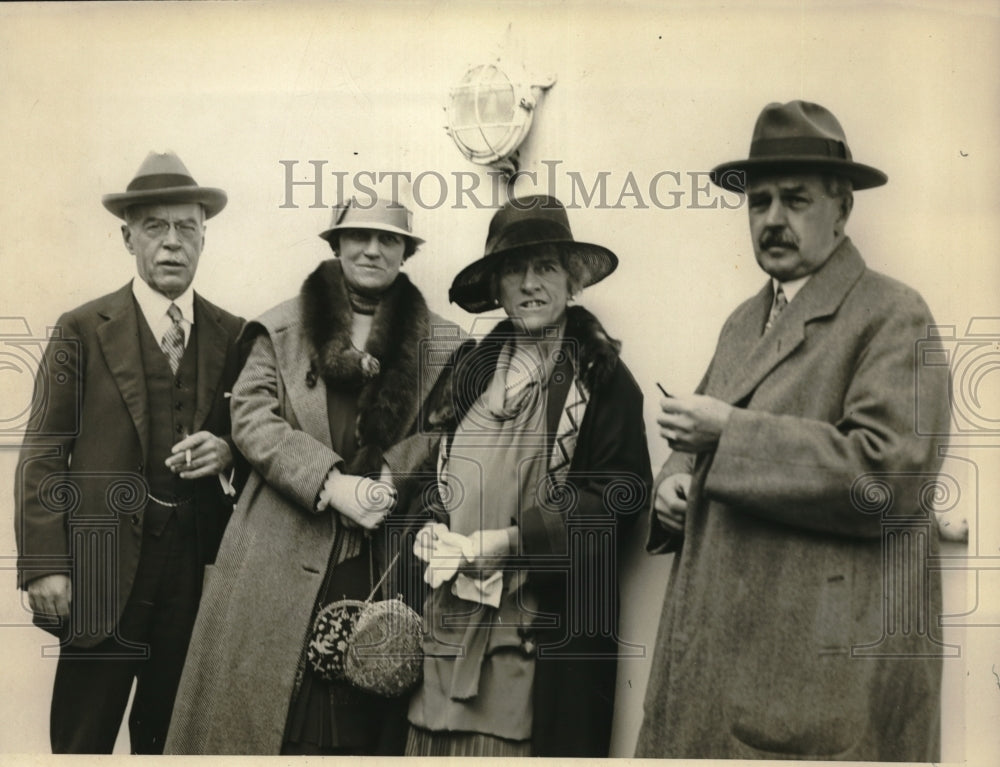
790, 288
154, 308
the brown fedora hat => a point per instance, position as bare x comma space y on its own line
524, 223
797, 137
163, 179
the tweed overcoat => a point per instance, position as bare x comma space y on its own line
800, 618
259, 597
80, 482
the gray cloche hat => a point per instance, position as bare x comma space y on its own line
381, 214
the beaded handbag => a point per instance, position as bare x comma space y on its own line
375, 645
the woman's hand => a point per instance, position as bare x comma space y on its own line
442, 550
489, 548
361, 501
386, 475
479, 555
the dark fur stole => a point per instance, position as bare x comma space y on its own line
388, 394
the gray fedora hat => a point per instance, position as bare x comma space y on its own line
797, 137
163, 179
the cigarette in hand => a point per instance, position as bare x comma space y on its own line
187, 457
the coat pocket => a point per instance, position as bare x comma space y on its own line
798, 692
832, 621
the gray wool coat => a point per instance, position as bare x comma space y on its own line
258, 598
779, 637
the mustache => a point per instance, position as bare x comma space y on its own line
778, 237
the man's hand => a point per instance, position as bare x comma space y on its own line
693, 423
200, 455
671, 501
361, 501
50, 595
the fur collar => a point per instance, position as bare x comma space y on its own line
592, 352
597, 351
388, 389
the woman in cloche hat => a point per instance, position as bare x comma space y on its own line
332, 383
543, 468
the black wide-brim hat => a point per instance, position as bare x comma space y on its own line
162, 179
795, 138
524, 223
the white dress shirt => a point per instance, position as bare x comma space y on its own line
154, 308
790, 288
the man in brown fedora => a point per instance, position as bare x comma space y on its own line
799, 619
122, 488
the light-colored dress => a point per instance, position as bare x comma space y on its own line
479, 660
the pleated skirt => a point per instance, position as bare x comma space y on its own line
421, 742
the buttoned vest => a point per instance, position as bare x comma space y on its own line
172, 400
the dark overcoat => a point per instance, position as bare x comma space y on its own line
801, 616
80, 491
572, 544
259, 597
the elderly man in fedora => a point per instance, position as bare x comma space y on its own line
797, 624
122, 488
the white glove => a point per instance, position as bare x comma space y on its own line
485, 591
443, 551
365, 502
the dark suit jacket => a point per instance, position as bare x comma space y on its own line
80, 492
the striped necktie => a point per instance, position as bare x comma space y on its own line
173, 340
777, 307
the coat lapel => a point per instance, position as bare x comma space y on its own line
306, 391
118, 337
571, 416
212, 344
737, 346
746, 356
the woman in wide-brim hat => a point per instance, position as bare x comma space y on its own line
543, 467
331, 390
